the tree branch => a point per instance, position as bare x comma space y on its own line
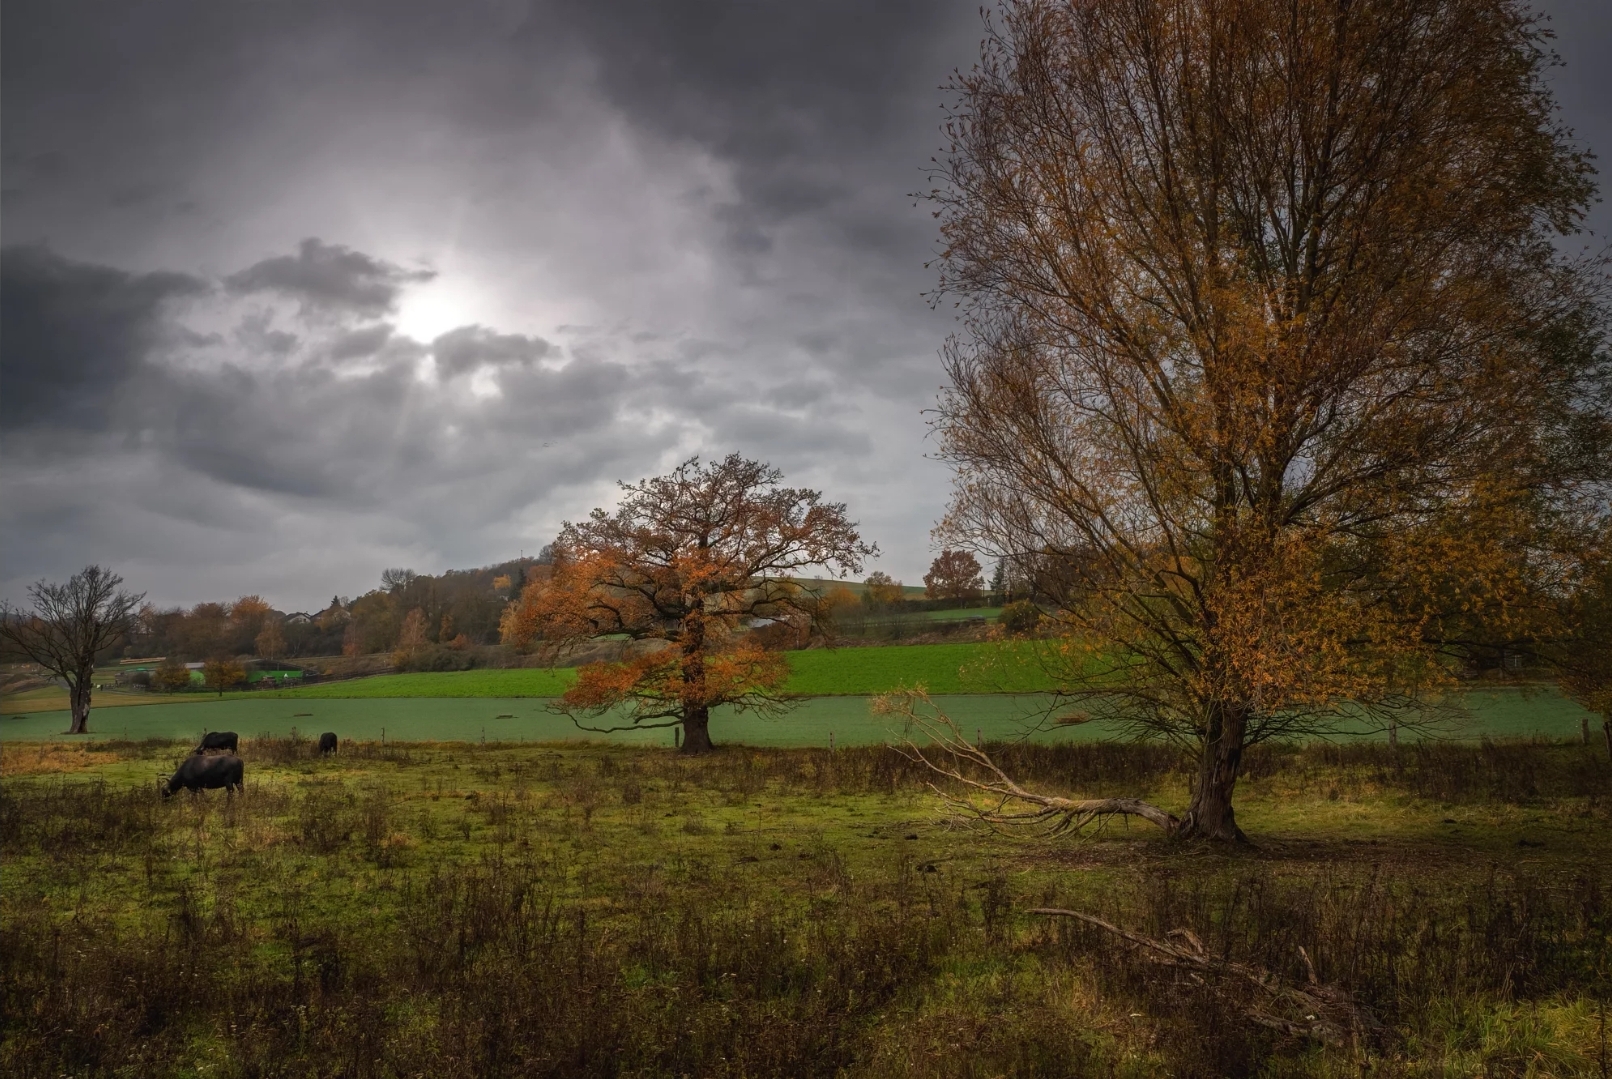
1007, 804
1330, 1013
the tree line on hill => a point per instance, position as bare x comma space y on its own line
417, 614
426, 621
443, 622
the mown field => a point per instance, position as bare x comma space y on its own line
1497, 713
499, 910
817, 672
943, 668
994, 690
848, 719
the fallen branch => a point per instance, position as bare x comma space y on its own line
971, 767
1330, 1013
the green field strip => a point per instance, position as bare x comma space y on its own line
1500, 713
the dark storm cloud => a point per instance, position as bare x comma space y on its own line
329, 277
359, 343
316, 429
73, 334
773, 80
470, 347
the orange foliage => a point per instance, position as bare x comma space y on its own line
655, 686
882, 590
1268, 360
270, 642
412, 639
223, 673
690, 559
249, 607
954, 575
28, 758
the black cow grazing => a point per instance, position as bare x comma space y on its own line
327, 743
205, 774
228, 741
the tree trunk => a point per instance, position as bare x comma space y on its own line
696, 731
1584, 729
79, 695
1210, 816
696, 710
1606, 729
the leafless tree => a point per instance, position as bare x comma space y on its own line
69, 626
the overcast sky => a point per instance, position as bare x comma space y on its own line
295, 291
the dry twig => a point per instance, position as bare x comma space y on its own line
1330, 1014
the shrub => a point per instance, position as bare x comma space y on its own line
1020, 616
170, 675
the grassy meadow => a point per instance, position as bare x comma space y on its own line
996, 689
525, 910
1491, 713
969, 667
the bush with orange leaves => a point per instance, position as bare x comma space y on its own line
691, 559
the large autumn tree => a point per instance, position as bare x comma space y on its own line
1583, 654
686, 561
954, 575
1269, 354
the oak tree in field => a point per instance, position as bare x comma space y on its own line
170, 676
954, 575
69, 626
685, 563
882, 590
223, 672
1268, 353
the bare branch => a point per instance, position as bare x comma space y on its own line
990, 795
1329, 1013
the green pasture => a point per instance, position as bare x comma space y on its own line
514, 682
990, 614
818, 672
940, 668
1494, 713
514, 719
508, 910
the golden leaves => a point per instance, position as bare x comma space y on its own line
670, 681
1267, 358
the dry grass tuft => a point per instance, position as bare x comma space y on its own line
44, 758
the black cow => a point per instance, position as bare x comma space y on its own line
228, 741
205, 773
327, 743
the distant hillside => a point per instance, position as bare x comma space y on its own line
824, 584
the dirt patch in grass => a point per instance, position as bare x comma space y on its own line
43, 758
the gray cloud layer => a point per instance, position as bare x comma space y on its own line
296, 290
329, 277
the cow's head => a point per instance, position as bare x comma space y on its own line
165, 785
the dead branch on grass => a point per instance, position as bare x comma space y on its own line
988, 794
1330, 1014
